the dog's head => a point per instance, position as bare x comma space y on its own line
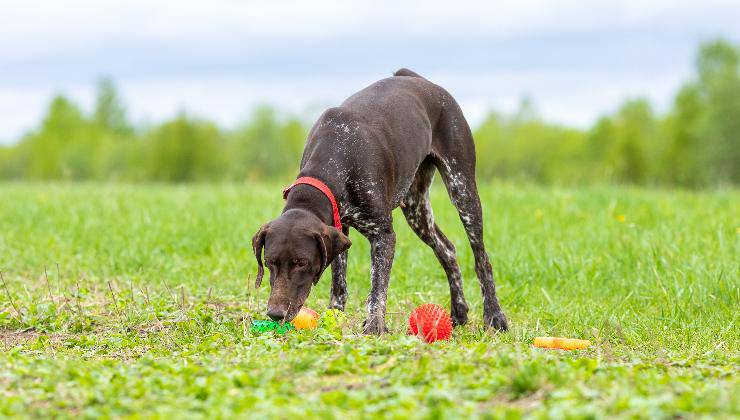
298, 247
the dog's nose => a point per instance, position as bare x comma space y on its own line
276, 314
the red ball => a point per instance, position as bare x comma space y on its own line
434, 321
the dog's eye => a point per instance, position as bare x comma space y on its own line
299, 262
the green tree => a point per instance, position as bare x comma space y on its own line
267, 147
719, 87
65, 146
110, 113
704, 124
635, 130
621, 147
524, 146
683, 163
9, 165
601, 150
184, 149
121, 155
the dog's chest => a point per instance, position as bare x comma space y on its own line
355, 217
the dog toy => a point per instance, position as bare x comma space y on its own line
430, 322
561, 343
307, 319
262, 326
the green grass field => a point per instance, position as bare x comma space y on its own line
146, 306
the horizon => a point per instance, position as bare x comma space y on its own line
576, 61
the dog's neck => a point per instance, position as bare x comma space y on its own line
308, 198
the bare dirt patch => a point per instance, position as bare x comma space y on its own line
12, 338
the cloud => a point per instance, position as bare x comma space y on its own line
577, 59
42, 27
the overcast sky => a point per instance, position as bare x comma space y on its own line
576, 59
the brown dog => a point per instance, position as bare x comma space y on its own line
377, 151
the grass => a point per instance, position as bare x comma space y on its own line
145, 306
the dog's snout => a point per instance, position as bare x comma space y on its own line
276, 314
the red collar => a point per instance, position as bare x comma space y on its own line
324, 189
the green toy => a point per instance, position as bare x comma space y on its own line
263, 326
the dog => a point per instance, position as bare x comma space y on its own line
377, 151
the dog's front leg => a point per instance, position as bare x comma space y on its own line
383, 247
338, 297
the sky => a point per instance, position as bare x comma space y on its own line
575, 59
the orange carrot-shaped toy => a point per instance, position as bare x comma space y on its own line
561, 343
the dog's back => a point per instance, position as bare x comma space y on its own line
406, 72
399, 98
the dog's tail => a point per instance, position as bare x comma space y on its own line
406, 72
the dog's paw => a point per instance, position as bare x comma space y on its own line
459, 320
496, 321
374, 326
459, 315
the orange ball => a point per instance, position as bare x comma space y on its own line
430, 322
307, 319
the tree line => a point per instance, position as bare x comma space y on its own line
695, 143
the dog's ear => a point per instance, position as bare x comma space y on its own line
258, 242
331, 242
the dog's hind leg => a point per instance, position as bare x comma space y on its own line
338, 297
454, 152
418, 211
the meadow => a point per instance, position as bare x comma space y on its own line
135, 301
